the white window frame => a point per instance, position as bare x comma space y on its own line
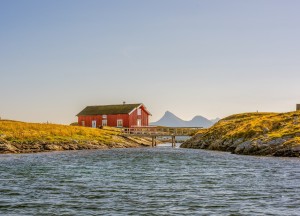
139, 111
104, 122
83, 123
119, 121
104, 116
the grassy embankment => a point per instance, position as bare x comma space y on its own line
252, 133
21, 137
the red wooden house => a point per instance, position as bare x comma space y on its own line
122, 115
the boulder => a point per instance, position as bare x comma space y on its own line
8, 148
277, 141
243, 147
53, 147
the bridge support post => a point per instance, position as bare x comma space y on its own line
173, 142
154, 141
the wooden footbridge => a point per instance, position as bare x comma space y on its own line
155, 132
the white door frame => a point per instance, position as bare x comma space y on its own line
94, 124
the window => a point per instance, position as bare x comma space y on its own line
104, 116
119, 123
139, 112
82, 123
104, 122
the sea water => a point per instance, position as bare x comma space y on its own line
148, 181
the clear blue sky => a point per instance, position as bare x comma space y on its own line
206, 57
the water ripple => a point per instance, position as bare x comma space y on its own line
158, 181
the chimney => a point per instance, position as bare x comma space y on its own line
297, 107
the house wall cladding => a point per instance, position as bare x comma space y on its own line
111, 120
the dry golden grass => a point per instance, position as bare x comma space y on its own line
26, 132
266, 125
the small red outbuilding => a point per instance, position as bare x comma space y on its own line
121, 115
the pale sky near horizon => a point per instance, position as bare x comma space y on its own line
208, 57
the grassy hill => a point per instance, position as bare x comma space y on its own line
21, 137
275, 134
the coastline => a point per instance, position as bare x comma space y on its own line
41, 146
20, 137
260, 134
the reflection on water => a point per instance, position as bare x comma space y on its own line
148, 181
168, 145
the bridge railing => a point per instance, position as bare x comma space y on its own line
161, 131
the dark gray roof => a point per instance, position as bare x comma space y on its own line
109, 109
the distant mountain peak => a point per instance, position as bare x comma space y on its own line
198, 117
171, 120
169, 113
215, 120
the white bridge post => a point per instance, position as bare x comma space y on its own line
173, 142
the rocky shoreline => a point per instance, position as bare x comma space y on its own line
7, 147
276, 147
21, 137
266, 134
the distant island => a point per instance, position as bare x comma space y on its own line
267, 134
171, 120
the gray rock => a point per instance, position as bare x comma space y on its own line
265, 130
243, 146
238, 141
277, 141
